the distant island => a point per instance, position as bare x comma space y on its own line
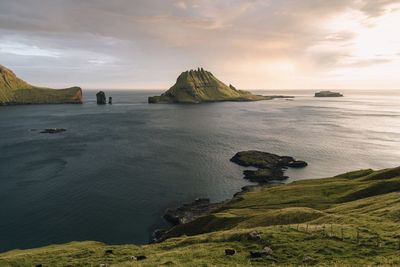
196, 86
14, 91
328, 94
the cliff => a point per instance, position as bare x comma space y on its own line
14, 91
196, 86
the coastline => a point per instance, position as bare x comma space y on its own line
271, 168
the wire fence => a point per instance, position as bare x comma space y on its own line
356, 235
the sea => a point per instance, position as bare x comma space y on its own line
115, 170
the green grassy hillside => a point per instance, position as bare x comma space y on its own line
197, 86
352, 219
16, 91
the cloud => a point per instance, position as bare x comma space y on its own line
134, 42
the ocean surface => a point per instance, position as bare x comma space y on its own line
111, 175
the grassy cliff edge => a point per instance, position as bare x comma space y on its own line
14, 91
348, 220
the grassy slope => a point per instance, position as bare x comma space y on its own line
202, 86
16, 91
298, 219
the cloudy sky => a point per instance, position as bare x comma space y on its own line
266, 44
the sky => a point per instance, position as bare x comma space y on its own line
254, 44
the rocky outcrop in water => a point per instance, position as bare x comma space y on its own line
101, 98
328, 94
14, 91
270, 166
196, 86
53, 130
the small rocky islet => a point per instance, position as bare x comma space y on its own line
270, 166
327, 94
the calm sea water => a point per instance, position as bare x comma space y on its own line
111, 175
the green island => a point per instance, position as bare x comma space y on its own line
351, 219
14, 91
196, 86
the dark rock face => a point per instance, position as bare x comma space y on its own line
270, 166
53, 130
141, 257
230, 252
101, 98
108, 252
328, 94
191, 211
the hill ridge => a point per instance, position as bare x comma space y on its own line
15, 91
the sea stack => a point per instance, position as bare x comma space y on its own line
196, 86
101, 98
110, 100
14, 91
327, 94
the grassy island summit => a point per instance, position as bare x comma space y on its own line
348, 220
14, 91
196, 86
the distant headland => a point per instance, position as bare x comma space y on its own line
14, 91
196, 86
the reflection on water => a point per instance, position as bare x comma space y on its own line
117, 167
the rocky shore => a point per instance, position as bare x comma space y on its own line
271, 167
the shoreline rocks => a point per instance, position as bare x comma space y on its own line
184, 214
327, 94
270, 167
190, 211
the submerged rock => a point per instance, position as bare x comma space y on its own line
101, 98
327, 94
270, 166
53, 130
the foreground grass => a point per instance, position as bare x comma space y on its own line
348, 220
